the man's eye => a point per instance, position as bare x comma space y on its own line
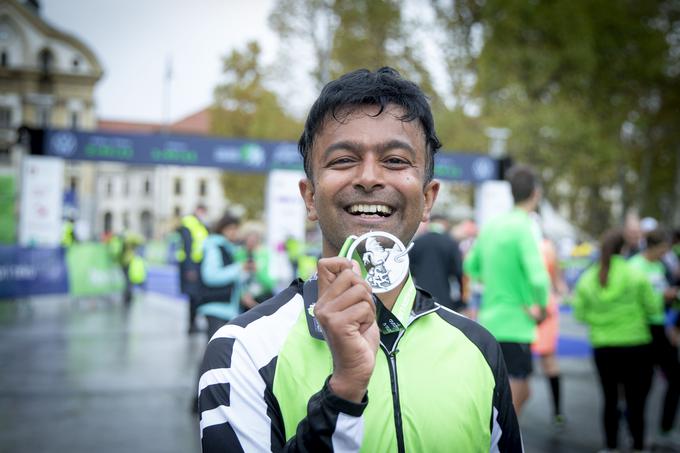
396, 161
341, 161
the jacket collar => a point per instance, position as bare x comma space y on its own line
310, 292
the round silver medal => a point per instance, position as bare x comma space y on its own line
385, 259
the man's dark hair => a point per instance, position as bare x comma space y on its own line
523, 182
656, 237
362, 87
226, 220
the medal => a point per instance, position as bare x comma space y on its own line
384, 257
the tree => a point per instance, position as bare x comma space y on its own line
580, 95
373, 34
245, 108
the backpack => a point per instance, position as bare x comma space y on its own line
217, 293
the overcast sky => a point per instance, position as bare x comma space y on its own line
133, 39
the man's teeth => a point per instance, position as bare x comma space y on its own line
370, 209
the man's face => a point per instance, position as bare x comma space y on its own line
368, 175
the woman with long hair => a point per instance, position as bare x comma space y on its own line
617, 302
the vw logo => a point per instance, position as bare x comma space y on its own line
483, 168
63, 144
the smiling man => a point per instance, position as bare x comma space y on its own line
310, 369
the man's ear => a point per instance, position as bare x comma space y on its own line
307, 193
430, 193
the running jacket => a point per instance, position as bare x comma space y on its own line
619, 313
440, 386
506, 259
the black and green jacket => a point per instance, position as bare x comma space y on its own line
439, 385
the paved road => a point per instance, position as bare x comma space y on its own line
83, 376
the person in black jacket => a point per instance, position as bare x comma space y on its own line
435, 260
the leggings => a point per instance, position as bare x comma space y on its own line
630, 367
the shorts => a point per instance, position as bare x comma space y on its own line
518, 359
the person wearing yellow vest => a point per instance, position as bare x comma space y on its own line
192, 233
68, 233
132, 264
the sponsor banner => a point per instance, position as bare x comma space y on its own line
474, 168
40, 221
229, 154
27, 271
160, 149
91, 270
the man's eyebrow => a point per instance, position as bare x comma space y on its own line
397, 144
349, 145
346, 145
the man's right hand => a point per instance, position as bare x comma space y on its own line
346, 312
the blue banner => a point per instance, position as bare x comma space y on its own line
230, 154
27, 271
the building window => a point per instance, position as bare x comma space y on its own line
45, 59
74, 120
178, 211
4, 59
126, 187
146, 221
178, 186
73, 183
5, 117
75, 63
44, 116
202, 187
147, 186
109, 187
108, 222
126, 220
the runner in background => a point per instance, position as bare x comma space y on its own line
547, 332
665, 353
617, 302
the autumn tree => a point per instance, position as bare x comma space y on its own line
245, 108
581, 86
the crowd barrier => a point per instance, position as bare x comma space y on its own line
84, 269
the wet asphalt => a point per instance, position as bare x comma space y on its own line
89, 376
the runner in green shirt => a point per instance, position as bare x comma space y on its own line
507, 260
665, 353
617, 302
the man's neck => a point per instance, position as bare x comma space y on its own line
526, 206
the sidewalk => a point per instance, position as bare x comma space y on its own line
84, 377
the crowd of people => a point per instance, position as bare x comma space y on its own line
296, 369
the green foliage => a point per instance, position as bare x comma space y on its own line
590, 90
585, 88
349, 35
245, 108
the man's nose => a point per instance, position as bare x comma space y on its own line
369, 175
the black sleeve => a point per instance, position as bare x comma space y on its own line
238, 411
185, 235
317, 431
457, 264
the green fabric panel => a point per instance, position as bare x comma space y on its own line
8, 220
157, 252
446, 389
303, 365
91, 271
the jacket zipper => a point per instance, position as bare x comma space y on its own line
392, 358
391, 355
